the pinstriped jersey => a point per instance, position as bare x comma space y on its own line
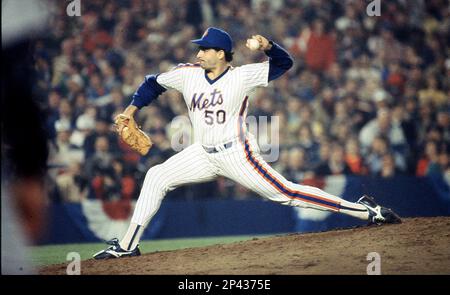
215, 105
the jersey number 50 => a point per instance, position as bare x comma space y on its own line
219, 117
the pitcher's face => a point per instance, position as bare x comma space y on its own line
210, 58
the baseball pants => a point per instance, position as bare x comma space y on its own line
241, 163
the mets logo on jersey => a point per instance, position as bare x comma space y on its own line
200, 101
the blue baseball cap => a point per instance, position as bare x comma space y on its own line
215, 38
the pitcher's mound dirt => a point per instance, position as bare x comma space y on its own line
417, 246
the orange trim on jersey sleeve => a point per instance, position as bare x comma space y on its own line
187, 66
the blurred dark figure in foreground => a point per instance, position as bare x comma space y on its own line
24, 142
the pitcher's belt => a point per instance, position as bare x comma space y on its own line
214, 149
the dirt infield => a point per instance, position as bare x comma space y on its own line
417, 246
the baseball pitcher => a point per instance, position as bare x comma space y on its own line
217, 96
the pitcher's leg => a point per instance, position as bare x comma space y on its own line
249, 169
186, 167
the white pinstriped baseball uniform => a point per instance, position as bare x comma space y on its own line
222, 145
217, 109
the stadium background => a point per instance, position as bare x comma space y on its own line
365, 109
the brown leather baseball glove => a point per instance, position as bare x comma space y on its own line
131, 134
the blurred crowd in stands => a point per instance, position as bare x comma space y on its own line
366, 96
